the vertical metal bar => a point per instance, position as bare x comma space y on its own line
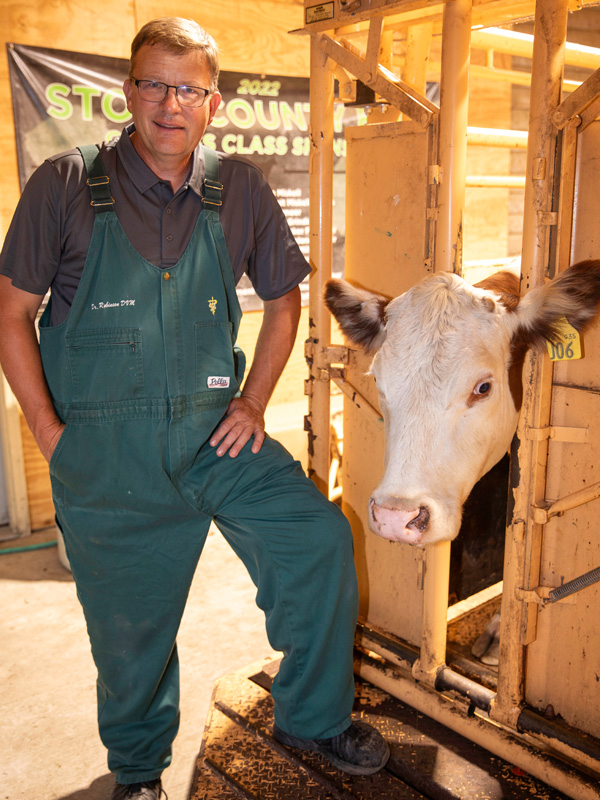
374, 44
547, 70
320, 255
567, 193
523, 541
454, 94
418, 42
386, 59
454, 88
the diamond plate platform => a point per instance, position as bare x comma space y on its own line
240, 759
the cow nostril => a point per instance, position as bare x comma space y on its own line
420, 522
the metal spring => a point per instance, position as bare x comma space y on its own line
576, 585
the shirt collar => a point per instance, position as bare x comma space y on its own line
141, 175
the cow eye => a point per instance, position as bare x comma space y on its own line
482, 388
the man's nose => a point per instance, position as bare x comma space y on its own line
171, 101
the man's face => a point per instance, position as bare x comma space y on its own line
168, 132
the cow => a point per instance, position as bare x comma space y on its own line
448, 359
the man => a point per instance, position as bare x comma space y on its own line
132, 396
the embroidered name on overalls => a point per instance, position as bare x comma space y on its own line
116, 304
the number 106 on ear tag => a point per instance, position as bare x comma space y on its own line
567, 346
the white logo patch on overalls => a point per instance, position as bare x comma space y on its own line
214, 382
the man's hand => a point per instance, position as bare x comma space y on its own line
245, 415
47, 439
244, 418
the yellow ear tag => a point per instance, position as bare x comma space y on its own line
567, 347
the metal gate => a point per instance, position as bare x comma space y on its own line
405, 200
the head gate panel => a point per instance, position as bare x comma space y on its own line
413, 210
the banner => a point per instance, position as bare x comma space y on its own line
63, 99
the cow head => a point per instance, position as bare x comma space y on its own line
447, 361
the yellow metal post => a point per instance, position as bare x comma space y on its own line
418, 44
320, 254
454, 95
523, 542
454, 89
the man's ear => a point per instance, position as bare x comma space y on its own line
214, 103
128, 91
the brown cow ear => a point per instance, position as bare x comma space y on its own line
574, 294
360, 314
505, 284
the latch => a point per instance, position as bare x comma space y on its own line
544, 594
323, 357
557, 434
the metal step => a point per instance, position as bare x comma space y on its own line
240, 759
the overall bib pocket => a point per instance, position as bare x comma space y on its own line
106, 364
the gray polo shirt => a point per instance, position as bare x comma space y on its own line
48, 239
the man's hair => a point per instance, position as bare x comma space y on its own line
179, 36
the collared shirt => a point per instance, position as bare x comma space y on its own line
47, 242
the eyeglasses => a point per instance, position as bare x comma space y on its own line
155, 92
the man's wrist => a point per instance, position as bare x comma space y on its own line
254, 401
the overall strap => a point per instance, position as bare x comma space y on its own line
212, 188
97, 179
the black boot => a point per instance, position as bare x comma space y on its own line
359, 750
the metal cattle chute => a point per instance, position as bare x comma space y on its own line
406, 180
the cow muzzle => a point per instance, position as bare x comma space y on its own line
399, 524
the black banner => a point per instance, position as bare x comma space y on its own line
63, 99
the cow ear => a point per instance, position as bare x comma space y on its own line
574, 294
360, 314
505, 284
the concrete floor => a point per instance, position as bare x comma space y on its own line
48, 738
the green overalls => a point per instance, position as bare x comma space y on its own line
141, 372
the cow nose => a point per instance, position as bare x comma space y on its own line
399, 524
420, 522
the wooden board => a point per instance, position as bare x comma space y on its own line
39, 491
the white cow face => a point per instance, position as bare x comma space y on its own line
448, 361
449, 415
